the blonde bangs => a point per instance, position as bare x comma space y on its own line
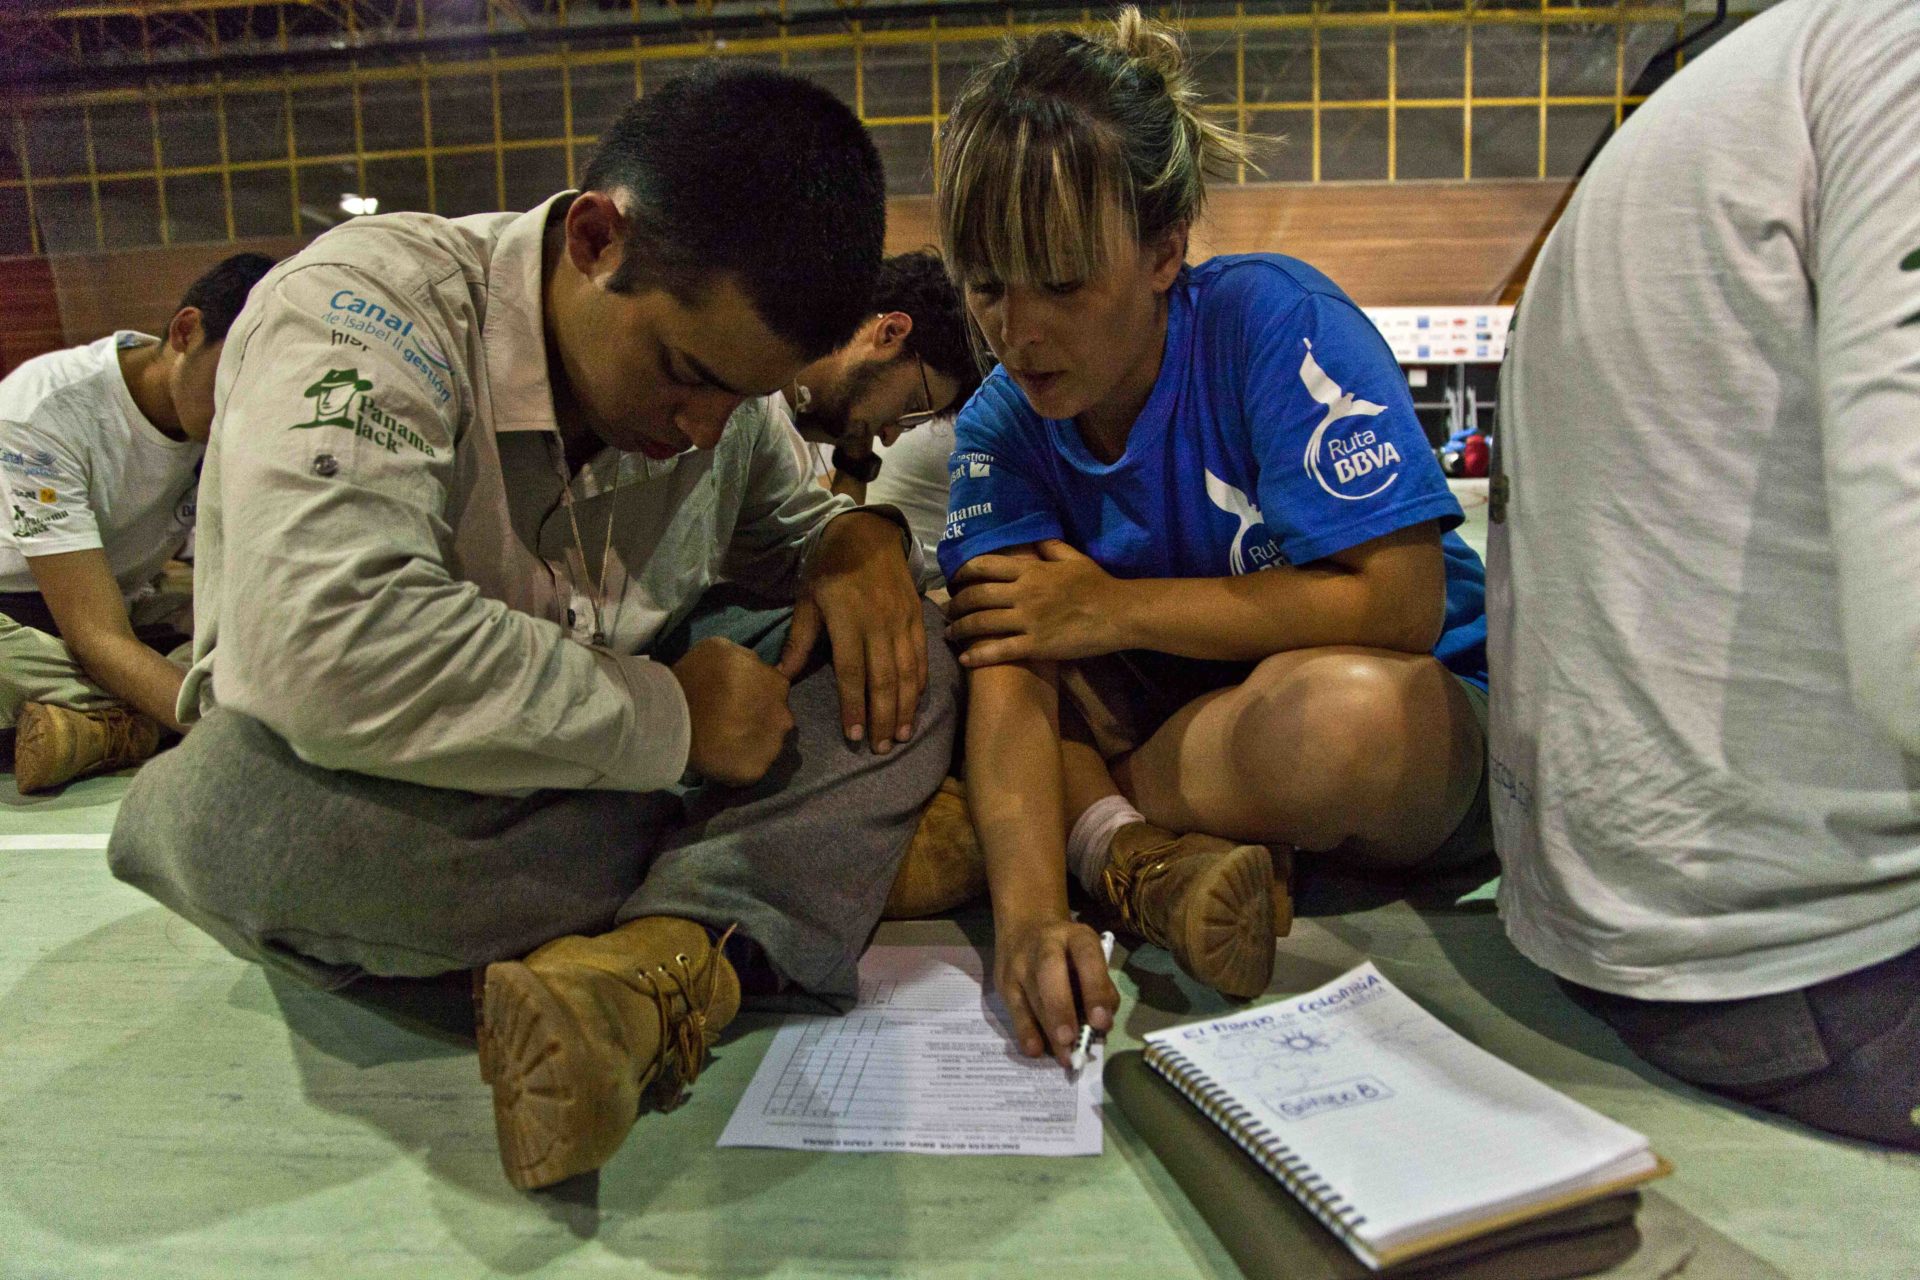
1017, 207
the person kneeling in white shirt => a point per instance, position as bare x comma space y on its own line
100, 446
1704, 621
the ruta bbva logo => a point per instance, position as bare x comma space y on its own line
1242, 558
1357, 453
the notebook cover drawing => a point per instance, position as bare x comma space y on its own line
1271, 1236
1399, 1134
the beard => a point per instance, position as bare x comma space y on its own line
826, 418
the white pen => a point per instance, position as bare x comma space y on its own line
1077, 1060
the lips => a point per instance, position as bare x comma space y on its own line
1035, 384
660, 451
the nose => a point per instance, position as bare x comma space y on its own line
703, 415
1020, 319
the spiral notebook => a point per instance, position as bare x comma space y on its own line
1397, 1133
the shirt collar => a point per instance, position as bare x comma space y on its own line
514, 331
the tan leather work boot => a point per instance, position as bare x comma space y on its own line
943, 866
54, 745
1208, 901
571, 1037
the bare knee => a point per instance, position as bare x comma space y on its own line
1328, 738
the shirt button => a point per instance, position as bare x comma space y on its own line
325, 464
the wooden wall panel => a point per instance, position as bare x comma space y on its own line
139, 288
1386, 244
29, 312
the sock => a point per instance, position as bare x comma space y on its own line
1092, 836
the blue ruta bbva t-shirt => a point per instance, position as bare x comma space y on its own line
1279, 431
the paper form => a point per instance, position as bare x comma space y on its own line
925, 1062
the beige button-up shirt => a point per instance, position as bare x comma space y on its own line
387, 574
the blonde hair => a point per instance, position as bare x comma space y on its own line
1069, 147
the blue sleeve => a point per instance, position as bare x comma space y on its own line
994, 499
1343, 459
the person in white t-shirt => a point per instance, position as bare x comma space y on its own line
100, 450
1703, 597
914, 480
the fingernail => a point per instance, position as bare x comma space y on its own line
1063, 1035
883, 746
1102, 1020
856, 733
904, 734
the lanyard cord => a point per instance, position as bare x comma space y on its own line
600, 628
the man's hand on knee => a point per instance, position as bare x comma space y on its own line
859, 588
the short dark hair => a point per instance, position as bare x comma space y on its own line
917, 283
756, 174
222, 291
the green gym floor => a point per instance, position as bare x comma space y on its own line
166, 1110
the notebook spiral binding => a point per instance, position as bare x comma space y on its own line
1308, 1187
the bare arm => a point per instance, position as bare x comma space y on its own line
1389, 593
1017, 792
80, 590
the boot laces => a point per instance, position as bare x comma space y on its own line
1127, 880
121, 726
684, 1039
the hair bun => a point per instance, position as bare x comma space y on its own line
1152, 44
1209, 146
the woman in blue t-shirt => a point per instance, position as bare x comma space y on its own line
1198, 545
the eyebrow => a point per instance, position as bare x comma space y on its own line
707, 375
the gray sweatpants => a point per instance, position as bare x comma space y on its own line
1841, 1055
337, 874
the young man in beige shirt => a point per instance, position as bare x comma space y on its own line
470, 486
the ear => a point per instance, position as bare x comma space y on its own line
889, 332
183, 329
1167, 255
597, 235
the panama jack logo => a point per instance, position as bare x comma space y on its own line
340, 400
333, 398
1245, 557
958, 517
1353, 455
373, 321
1911, 263
31, 524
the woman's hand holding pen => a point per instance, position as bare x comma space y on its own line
1038, 963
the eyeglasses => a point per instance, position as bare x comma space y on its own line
919, 416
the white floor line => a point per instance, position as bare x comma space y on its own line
53, 842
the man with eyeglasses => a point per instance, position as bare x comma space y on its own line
907, 365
